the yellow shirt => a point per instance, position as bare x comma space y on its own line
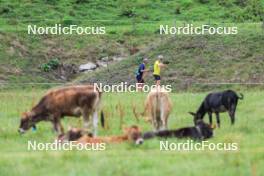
156, 68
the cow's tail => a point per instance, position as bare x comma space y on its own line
241, 96
102, 119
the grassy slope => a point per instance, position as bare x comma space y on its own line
22, 54
125, 159
196, 60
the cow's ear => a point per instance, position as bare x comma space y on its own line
28, 115
24, 115
192, 113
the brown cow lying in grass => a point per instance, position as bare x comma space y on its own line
131, 134
68, 101
158, 107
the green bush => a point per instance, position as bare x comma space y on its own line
45, 67
53, 64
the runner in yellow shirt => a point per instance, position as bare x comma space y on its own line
157, 67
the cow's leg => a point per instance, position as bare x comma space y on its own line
154, 119
164, 123
231, 113
217, 119
160, 124
95, 123
165, 120
210, 118
155, 123
159, 121
86, 119
57, 125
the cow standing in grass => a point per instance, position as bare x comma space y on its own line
158, 107
68, 101
216, 103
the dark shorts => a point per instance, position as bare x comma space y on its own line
156, 77
140, 79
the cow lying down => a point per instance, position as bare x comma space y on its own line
200, 131
131, 134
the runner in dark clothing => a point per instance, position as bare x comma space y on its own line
141, 73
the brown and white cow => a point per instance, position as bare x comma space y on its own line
131, 134
158, 107
68, 101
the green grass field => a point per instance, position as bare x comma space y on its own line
195, 62
126, 159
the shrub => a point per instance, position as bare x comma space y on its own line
54, 63
45, 67
51, 65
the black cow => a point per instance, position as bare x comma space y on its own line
216, 103
200, 131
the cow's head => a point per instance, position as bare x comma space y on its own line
205, 129
196, 117
26, 122
134, 134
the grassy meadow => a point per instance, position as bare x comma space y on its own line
132, 33
127, 159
